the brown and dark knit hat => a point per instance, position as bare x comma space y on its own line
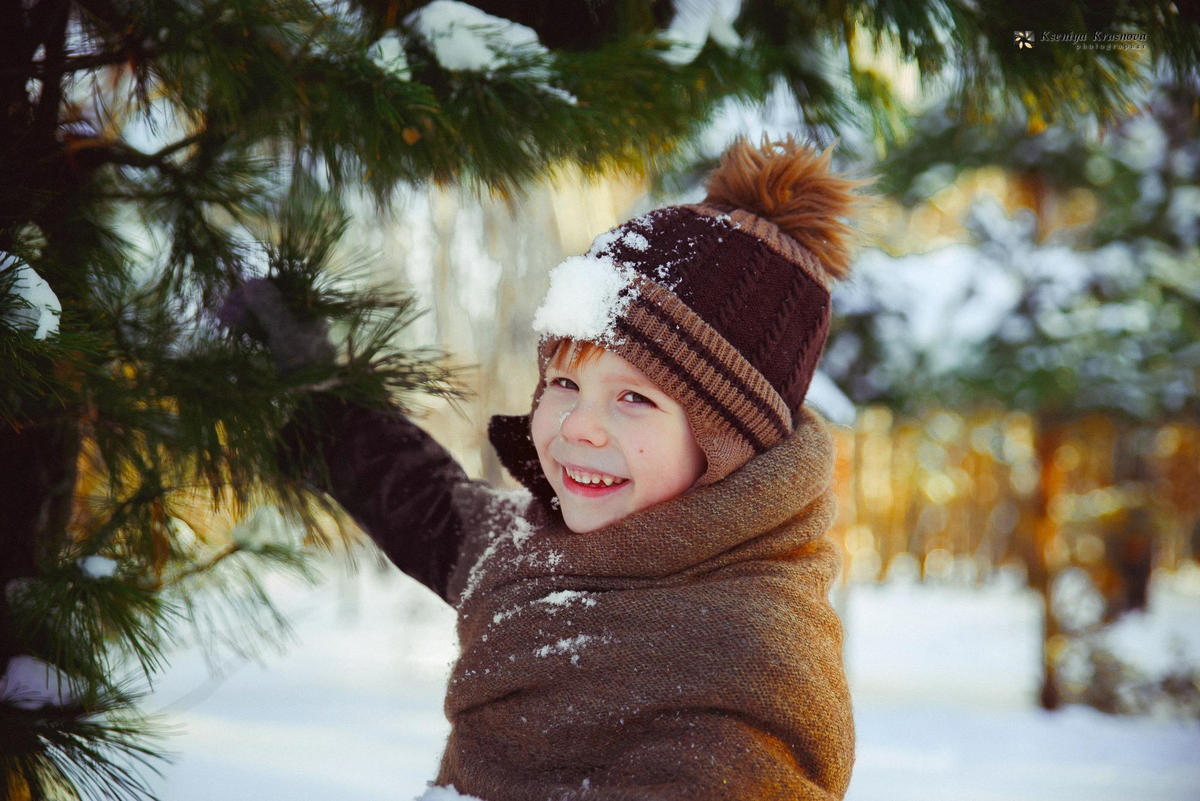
723, 304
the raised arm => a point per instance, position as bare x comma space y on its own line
395, 480
392, 477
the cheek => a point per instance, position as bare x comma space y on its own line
668, 460
543, 426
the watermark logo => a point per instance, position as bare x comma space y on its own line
1097, 40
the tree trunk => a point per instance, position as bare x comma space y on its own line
1048, 436
1129, 539
37, 473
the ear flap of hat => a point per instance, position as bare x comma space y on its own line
510, 436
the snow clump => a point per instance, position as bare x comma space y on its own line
521, 531
695, 23
633, 239
569, 646
563, 597
41, 308
463, 37
30, 683
388, 55
98, 567
586, 296
437, 793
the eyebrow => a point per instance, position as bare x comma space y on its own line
622, 378
638, 382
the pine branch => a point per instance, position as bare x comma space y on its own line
80, 63
199, 567
63, 754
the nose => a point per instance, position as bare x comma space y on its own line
584, 423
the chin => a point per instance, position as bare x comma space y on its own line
581, 528
585, 526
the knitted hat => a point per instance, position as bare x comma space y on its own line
723, 304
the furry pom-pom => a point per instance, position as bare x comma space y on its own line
790, 184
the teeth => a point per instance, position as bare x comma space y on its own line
594, 478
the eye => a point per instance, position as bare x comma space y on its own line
633, 397
562, 382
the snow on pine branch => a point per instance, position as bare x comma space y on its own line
96, 567
388, 55
38, 308
30, 683
1034, 306
463, 37
697, 21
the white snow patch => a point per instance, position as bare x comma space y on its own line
436, 793
602, 242
517, 528
570, 645
43, 308
586, 296
564, 597
98, 567
521, 530
476, 574
1153, 641
30, 683
388, 55
1184, 213
945, 689
463, 37
951, 300
635, 240
505, 614
697, 21
1143, 144
518, 497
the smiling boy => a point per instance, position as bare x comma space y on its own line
649, 616
610, 442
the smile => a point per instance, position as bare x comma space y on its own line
585, 477
591, 484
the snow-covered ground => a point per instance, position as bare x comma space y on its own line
943, 680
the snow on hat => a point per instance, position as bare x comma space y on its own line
724, 304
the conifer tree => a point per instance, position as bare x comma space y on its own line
158, 154
1101, 318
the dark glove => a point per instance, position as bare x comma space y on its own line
256, 308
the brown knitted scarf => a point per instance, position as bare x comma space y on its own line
686, 651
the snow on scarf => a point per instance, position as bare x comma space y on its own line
686, 651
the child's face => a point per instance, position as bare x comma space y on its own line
605, 417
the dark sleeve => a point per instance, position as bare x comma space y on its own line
395, 480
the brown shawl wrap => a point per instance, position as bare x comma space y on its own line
695, 654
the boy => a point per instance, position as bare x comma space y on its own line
650, 619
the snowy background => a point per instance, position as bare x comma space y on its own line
944, 681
